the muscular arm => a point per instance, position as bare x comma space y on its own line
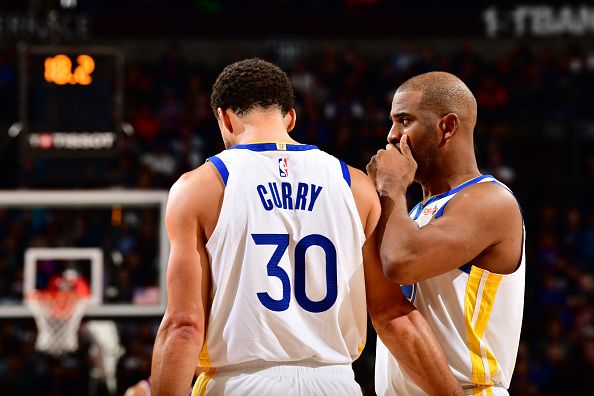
400, 326
179, 339
481, 223
475, 222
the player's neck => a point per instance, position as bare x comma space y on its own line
262, 126
449, 176
265, 134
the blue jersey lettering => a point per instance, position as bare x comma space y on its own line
301, 199
282, 196
265, 202
287, 202
314, 195
275, 195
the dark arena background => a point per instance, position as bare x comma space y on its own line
105, 103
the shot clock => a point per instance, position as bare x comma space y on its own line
58, 69
71, 100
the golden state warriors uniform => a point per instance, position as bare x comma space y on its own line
476, 316
288, 294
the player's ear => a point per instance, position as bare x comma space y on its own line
290, 119
448, 125
224, 119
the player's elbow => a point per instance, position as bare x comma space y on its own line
387, 317
399, 267
397, 330
184, 327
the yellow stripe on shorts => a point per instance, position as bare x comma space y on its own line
199, 388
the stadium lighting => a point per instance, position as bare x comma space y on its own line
128, 128
68, 3
15, 129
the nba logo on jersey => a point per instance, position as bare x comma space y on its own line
283, 167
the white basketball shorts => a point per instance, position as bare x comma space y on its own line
266, 379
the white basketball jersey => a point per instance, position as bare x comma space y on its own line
285, 259
476, 316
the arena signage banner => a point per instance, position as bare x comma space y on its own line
539, 21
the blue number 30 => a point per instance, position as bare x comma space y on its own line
282, 243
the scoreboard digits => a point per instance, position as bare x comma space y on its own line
58, 70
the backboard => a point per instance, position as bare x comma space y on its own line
114, 239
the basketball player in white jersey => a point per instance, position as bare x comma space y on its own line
461, 250
267, 272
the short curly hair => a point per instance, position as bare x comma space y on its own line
252, 83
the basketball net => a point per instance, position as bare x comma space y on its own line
57, 315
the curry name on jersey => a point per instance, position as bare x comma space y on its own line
285, 259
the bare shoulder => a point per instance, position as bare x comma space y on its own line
490, 199
487, 217
197, 187
197, 194
366, 199
362, 186
494, 214
203, 179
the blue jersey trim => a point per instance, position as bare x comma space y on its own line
410, 292
440, 211
420, 206
466, 268
455, 190
273, 147
345, 172
220, 165
416, 210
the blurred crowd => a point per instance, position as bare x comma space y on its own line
535, 133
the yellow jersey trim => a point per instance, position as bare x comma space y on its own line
361, 346
203, 359
481, 290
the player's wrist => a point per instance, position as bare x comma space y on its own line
393, 191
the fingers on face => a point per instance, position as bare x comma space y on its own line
404, 146
404, 141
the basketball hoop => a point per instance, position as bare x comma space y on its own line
57, 315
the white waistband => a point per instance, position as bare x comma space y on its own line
301, 367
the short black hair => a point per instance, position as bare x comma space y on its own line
252, 83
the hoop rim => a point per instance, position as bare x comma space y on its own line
60, 304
